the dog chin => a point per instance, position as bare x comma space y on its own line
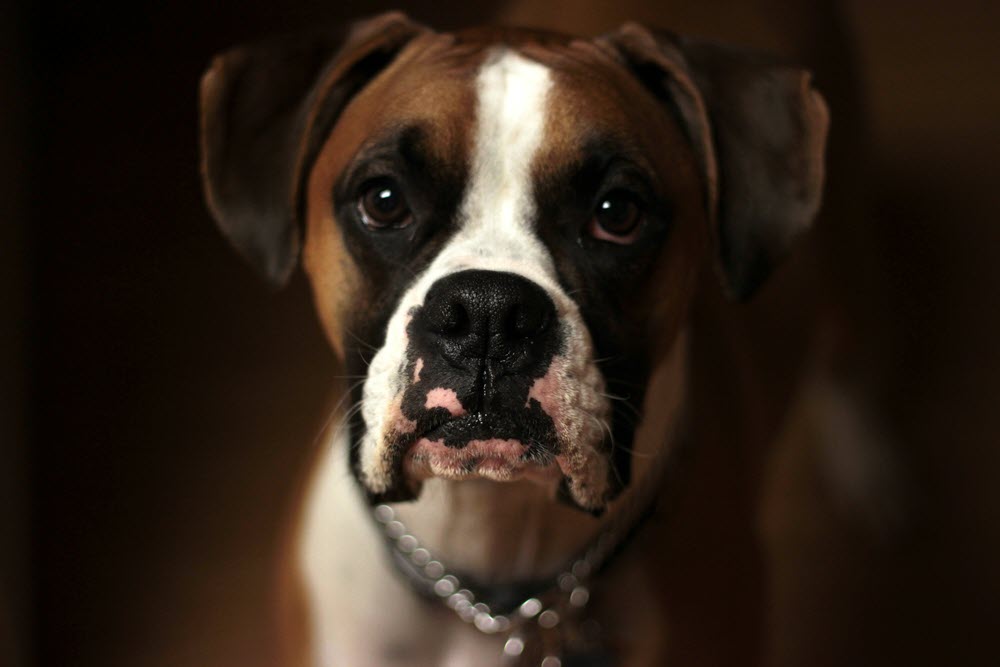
494, 459
580, 477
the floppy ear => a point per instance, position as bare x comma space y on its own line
264, 112
759, 131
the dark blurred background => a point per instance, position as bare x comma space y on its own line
159, 404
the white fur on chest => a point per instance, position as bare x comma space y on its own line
360, 613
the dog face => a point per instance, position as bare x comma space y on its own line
504, 230
507, 236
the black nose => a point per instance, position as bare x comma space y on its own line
498, 317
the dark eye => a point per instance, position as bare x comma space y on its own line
382, 205
617, 218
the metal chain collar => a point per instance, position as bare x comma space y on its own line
553, 618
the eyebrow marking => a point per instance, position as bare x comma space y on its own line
402, 147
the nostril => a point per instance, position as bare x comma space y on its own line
452, 319
524, 322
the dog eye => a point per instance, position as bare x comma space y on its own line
382, 205
617, 218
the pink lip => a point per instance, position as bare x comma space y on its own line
499, 460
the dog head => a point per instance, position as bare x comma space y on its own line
504, 228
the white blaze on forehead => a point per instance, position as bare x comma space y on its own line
499, 204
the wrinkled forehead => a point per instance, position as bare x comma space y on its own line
423, 88
598, 108
446, 97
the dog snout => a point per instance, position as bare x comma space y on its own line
478, 316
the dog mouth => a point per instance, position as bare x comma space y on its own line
423, 417
498, 447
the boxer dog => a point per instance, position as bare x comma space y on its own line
507, 232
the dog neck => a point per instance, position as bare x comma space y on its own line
497, 531
516, 531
